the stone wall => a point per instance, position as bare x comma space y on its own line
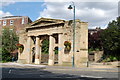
98, 55
91, 57
81, 43
45, 57
95, 56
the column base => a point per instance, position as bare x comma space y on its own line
60, 62
51, 62
37, 61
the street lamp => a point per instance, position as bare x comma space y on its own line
73, 7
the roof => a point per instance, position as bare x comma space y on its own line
45, 25
11, 17
45, 22
48, 20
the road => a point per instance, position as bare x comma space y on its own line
57, 72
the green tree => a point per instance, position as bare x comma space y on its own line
45, 46
111, 39
9, 41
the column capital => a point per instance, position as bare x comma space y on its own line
29, 36
60, 33
37, 36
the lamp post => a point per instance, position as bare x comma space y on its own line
73, 57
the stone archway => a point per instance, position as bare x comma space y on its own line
36, 54
56, 55
44, 50
55, 28
49, 43
33, 54
33, 38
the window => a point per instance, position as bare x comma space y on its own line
4, 23
23, 20
11, 22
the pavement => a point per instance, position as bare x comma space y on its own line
42, 72
59, 68
15, 64
105, 65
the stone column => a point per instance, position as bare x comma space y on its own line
40, 51
37, 50
28, 51
60, 48
51, 50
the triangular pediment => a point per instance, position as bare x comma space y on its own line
46, 21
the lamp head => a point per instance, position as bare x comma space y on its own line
70, 7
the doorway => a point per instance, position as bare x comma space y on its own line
45, 50
56, 55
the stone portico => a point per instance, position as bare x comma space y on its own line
57, 32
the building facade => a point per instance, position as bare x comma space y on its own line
60, 34
14, 22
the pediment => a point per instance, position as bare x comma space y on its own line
46, 21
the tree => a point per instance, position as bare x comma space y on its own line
110, 38
9, 41
94, 41
45, 46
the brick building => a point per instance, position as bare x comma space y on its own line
14, 22
92, 31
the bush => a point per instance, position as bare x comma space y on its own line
114, 59
6, 56
111, 58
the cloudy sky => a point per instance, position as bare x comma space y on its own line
97, 14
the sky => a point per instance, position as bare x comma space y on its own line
96, 13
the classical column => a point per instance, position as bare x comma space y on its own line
60, 48
51, 50
28, 51
40, 51
37, 50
